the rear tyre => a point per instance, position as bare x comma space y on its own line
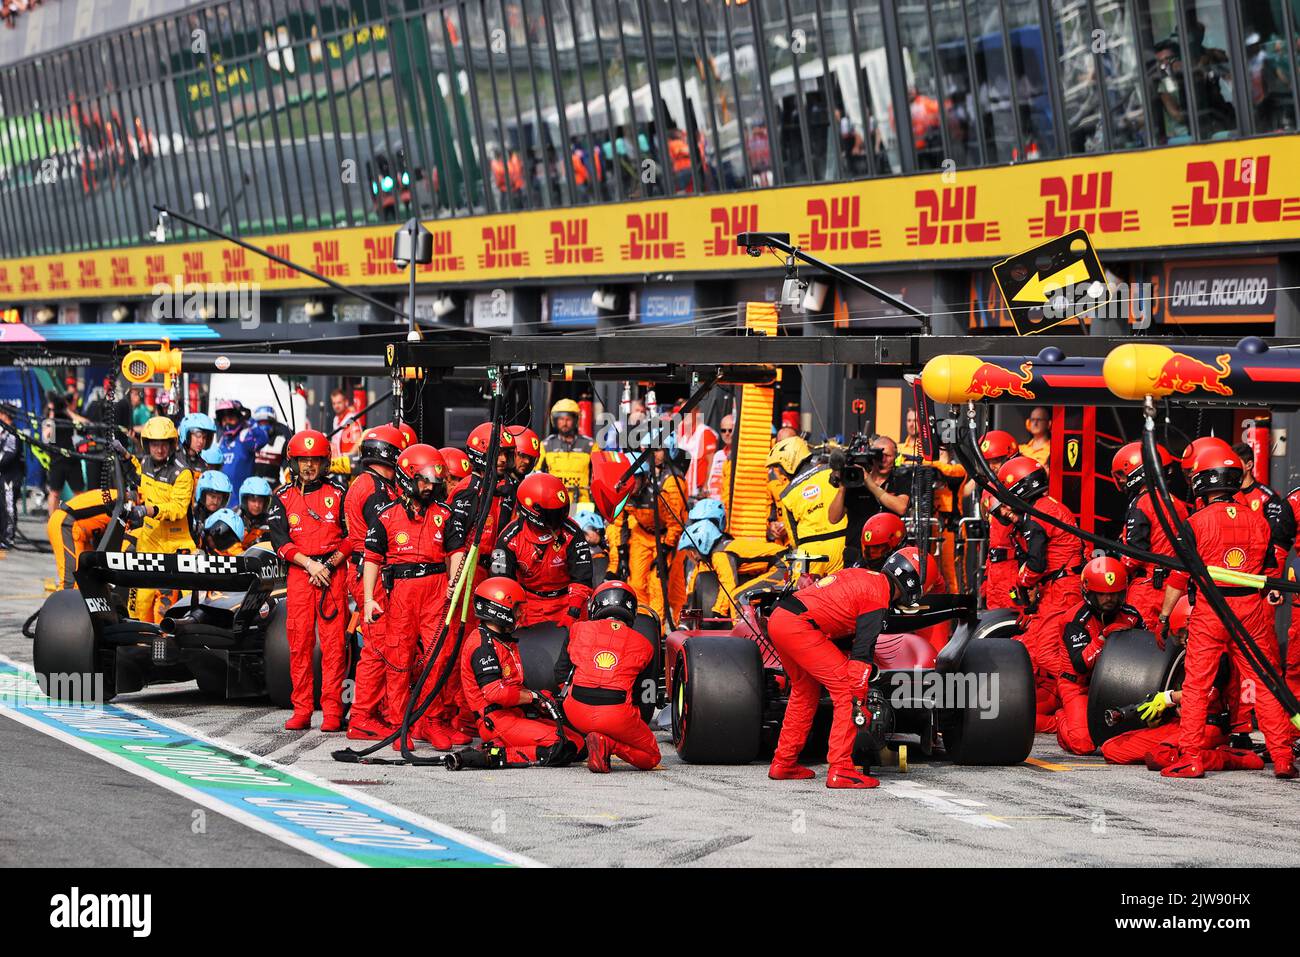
1131, 667
68, 663
1002, 734
717, 700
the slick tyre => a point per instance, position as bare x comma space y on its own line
68, 663
1002, 734
275, 661
717, 701
1131, 667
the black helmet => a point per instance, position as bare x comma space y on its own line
614, 599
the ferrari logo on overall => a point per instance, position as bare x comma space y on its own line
437, 521
1254, 505
1232, 511
329, 502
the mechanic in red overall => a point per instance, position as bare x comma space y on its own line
881, 535
1293, 630
528, 449
600, 662
546, 553
1102, 612
525, 727
405, 540
457, 466
307, 529
1156, 746
465, 497
804, 627
1262, 498
371, 489
1047, 583
1143, 529
998, 448
1231, 535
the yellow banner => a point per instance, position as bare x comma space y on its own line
1216, 193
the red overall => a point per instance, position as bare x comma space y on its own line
1231, 535
408, 543
1085, 635
493, 680
852, 602
1050, 559
606, 657
367, 493
308, 519
1143, 529
554, 568
1293, 632
1161, 742
999, 566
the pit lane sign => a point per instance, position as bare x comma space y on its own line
1052, 284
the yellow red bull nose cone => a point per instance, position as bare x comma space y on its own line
1136, 371
1131, 371
955, 379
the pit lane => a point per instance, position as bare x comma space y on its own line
1056, 810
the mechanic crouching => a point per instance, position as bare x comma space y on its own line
519, 728
306, 528
546, 552
804, 627
599, 662
1230, 534
405, 539
1102, 612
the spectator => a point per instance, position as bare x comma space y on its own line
57, 431
719, 477
12, 467
344, 431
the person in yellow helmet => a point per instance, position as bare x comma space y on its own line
803, 503
166, 489
566, 454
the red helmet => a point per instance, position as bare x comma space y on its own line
381, 445
1126, 468
420, 461
1213, 466
614, 599
408, 434
1105, 576
308, 444
498, 600
457, 462
1179, 617
527, 445
904, 567
476, 446
543, 500
883, 528
1024, 477
997, 444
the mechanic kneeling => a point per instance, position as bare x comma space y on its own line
519, 727
1101, 613
600, 662
804, 627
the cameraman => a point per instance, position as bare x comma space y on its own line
867, 484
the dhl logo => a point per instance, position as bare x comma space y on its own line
328, 258
948, 216
86, 274
5, 284
27, 279
57, 278
119, 271
195, 268
569, 245
501, 248
1234, 194
647, 235
836, 224
1082, 201
727, 222
379, 257
155, 269
444, 259
235, 267
273, 269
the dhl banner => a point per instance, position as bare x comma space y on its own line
1207, 194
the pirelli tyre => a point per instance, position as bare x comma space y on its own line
539, 649
275, 661
994, 723
69, 664
997, 623
1130, 668
717, 700
646, 690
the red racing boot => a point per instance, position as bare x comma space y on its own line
363, 727
849, 778
1241, 759
435, 732
599, 748
298, 722
1284, 769
790, 772
332, 724
1189, 765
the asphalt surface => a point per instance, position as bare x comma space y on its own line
1059, 810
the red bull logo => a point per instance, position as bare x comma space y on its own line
991, 381
1183, 374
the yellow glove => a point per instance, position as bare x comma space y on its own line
1151, 709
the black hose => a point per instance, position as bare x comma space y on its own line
1183, 541
29, 626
